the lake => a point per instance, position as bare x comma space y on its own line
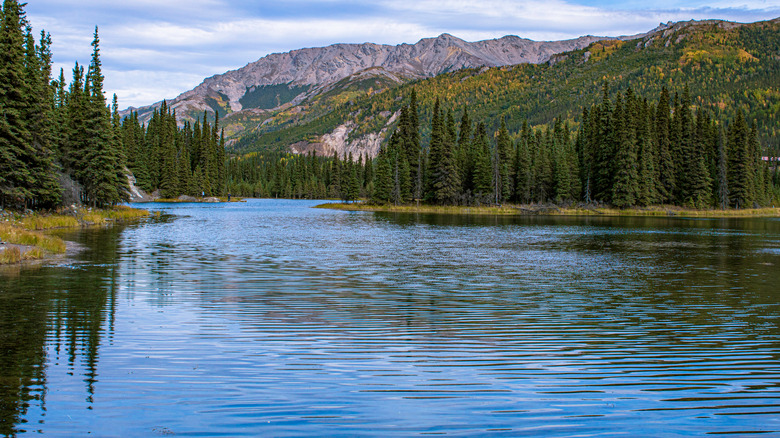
272, 318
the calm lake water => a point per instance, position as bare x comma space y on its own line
271, 318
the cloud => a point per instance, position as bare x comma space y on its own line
154, 49
157, 85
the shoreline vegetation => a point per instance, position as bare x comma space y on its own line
23, 238
208, 199
552, 210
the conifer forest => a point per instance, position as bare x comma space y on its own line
627, 152
61, 143
54, 136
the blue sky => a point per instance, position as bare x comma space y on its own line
155, 49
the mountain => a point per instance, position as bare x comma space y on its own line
281, 80
728, 67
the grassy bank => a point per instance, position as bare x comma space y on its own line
205, 200
23, 239
546, 210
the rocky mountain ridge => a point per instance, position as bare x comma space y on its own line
300, 74
680, 50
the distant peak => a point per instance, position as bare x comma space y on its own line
448, 37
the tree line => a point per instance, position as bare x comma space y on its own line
62, 143
58, 142
308, 176
187, 160
625, 152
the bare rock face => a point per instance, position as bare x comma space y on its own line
339, 142
307, 71
136, 193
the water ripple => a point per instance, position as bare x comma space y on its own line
271, 318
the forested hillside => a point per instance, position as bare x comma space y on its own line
728, 67
627, 152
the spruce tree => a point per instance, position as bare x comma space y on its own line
15, 137
561, 170
523, 167
71, 149
383, 179
624, 188
542, 166
99, 168
464, 163
698, 193
353, 181
483, 181
723, 182
647, 176
45, 190
504, 155
666, 182
755, 166
604, 146
739, 178
335, 176
585, 154
685, 153
442, 168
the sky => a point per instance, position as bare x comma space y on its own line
156, 49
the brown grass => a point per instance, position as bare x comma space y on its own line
40, 222
19, 236
24, 230
123, 213
119, 213
10, 255
34, 254
660, 210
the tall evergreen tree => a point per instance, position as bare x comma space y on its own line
666, 175
624, 189
443, 172
383, 179
99, 168
45, 190
739, 178
504, 155
603, 137
698, 193
15, 138
647, 175
464, 162
483, 181
723, 182
523, 166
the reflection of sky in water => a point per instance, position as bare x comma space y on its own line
268, 318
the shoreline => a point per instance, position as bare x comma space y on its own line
549, 210
24, 239
188, 199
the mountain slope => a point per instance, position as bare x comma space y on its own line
290, 78
730, 66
